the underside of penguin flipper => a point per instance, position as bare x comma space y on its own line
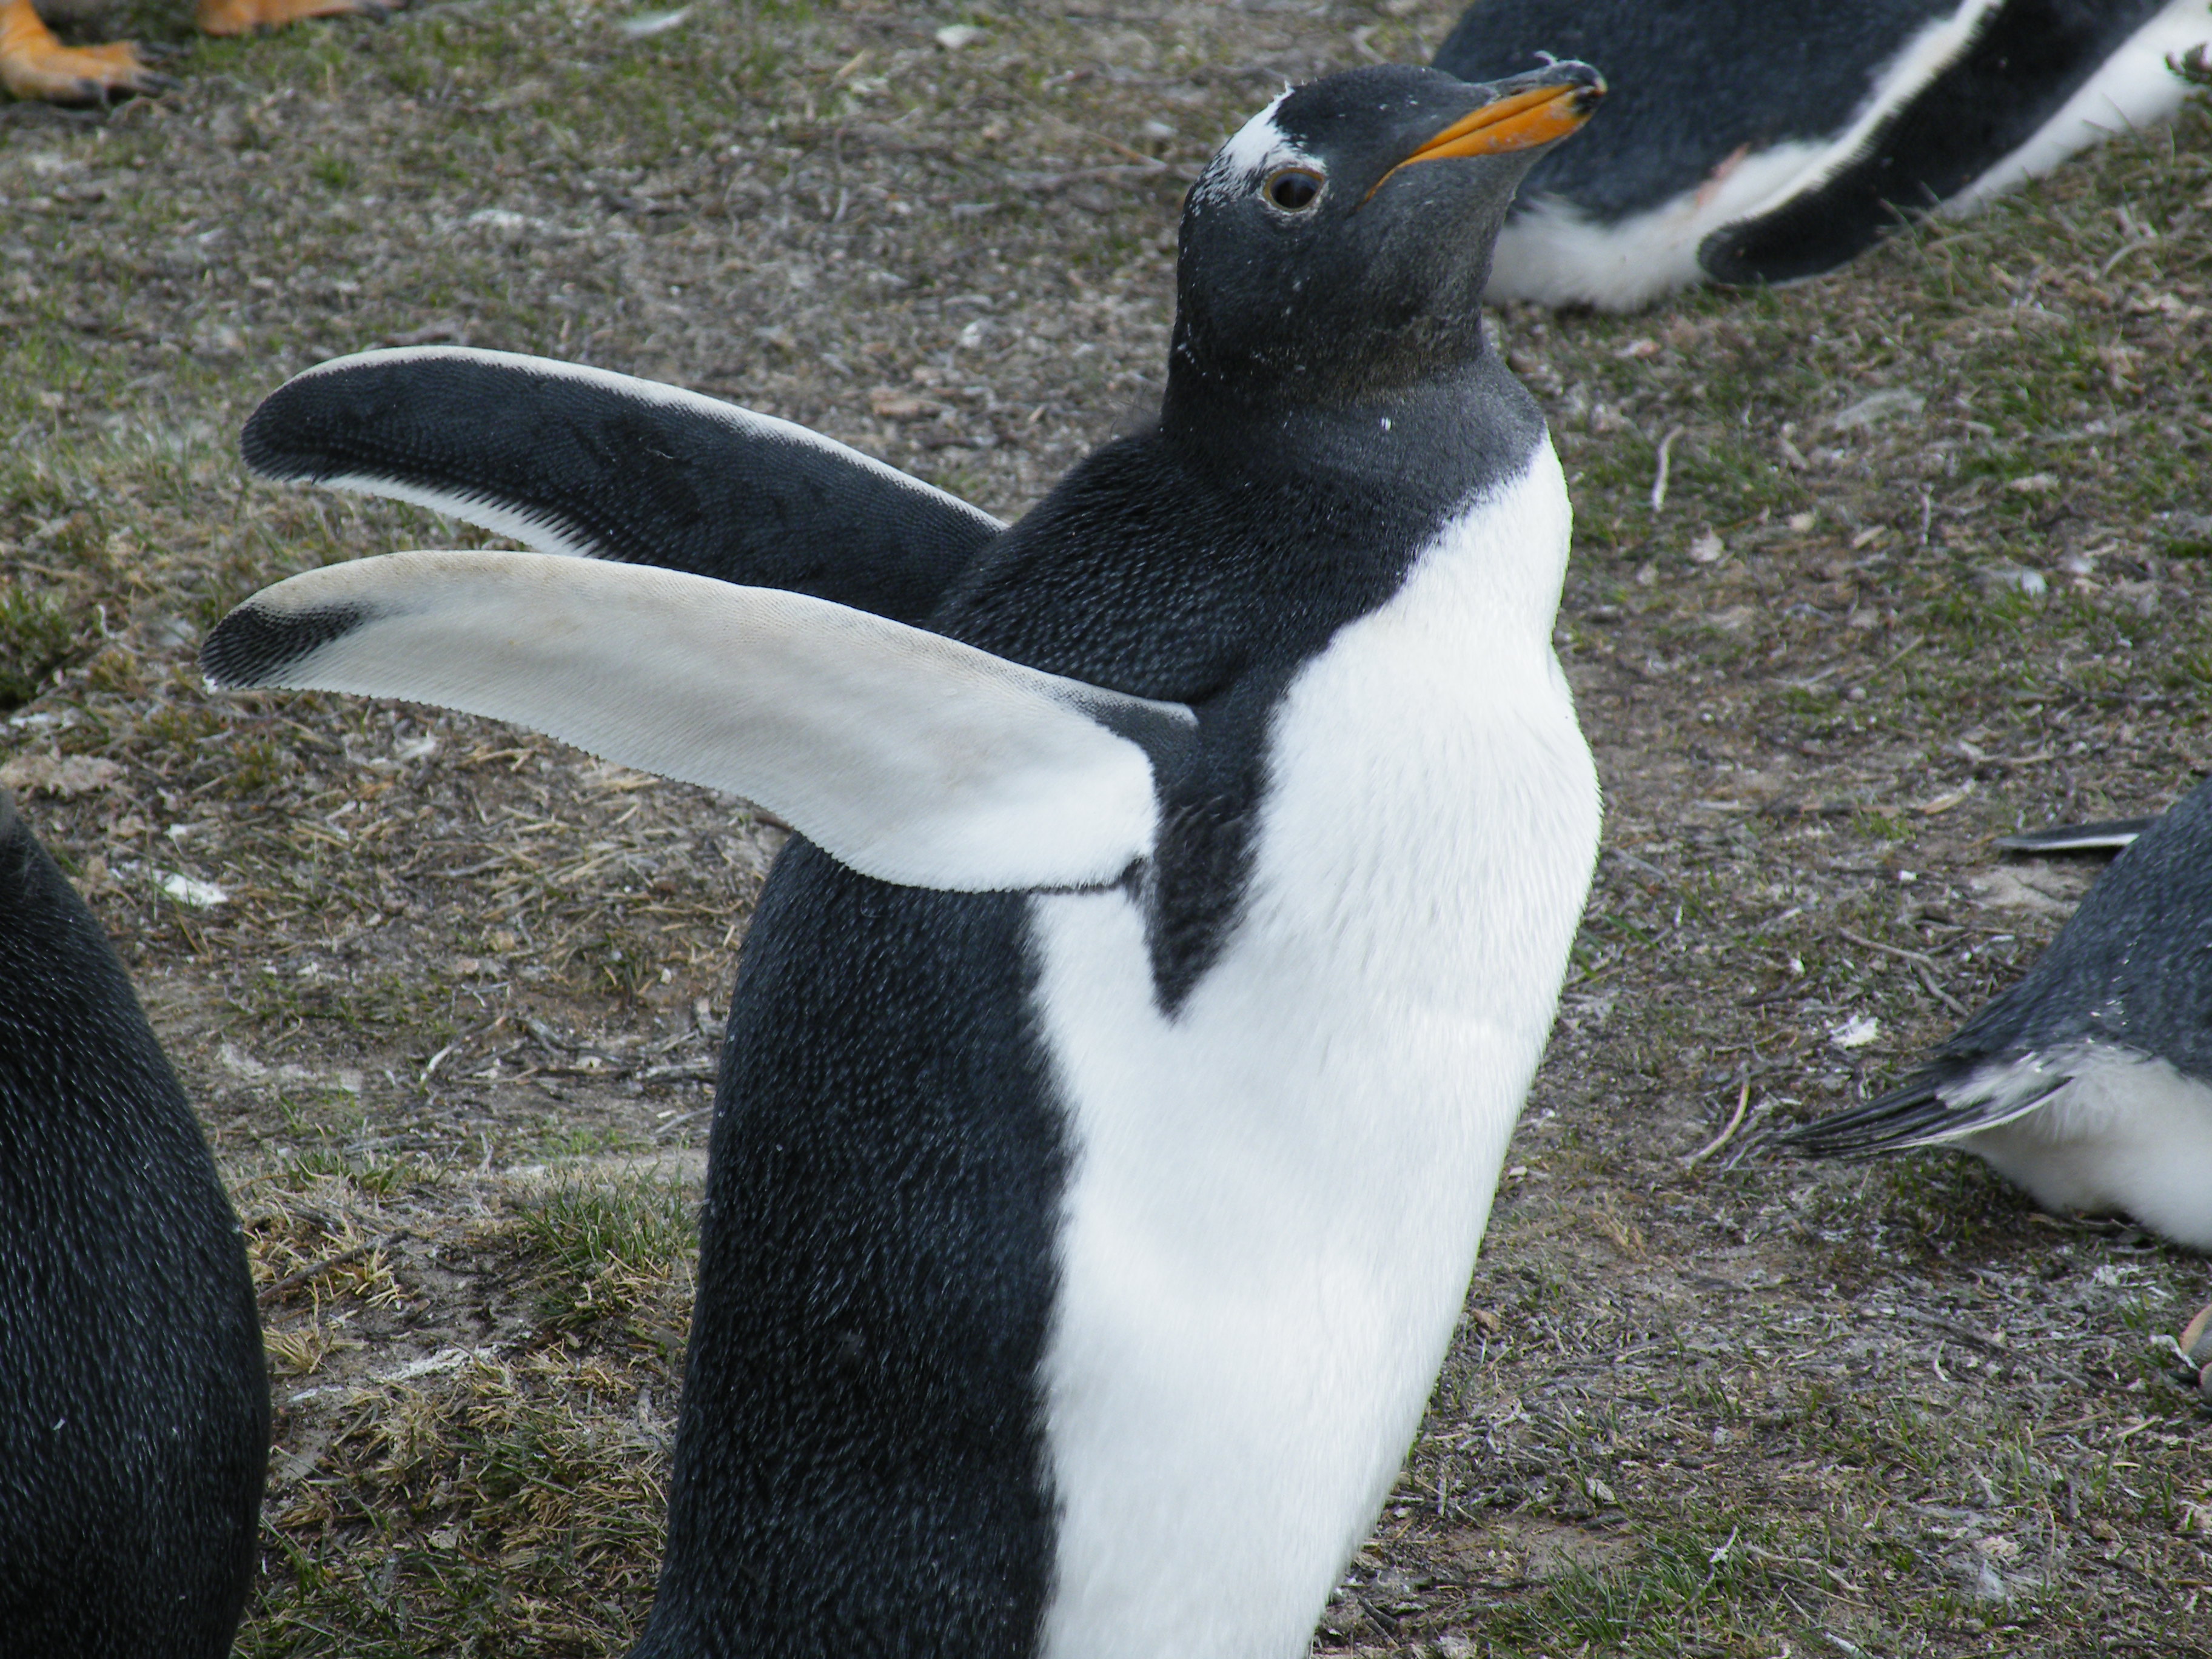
1935, 1107
904, 755
577, 460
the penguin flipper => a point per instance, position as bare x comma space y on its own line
2105, 836
906, 755
1941, 1103
573, 459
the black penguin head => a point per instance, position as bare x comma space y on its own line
1337, 246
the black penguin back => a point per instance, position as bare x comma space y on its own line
134, 1403
2131, 968
875, 1289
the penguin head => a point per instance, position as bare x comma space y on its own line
1337, 246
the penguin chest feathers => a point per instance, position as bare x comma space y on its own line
1276, 1191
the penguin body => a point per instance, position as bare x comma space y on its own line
134, 1404
1245, 1341
1838, 122
2088, 1083
1078, 1256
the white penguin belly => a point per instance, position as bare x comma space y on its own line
1277, 1192
2130, 1133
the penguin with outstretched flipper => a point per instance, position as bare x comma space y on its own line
1124, 1050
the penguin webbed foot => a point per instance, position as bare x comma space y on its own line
34, 65
242, 16
2194, 1347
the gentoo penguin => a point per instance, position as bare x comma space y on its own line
2089, 1083
34, 64
1124, 1052
134, 1405
1761, 141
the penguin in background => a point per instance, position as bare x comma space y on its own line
134, 1401
2088, 1083
1764, 141
1125, 1049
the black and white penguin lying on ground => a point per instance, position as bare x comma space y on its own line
134, 1404
1760, 141
1123, 1055
2089, 1083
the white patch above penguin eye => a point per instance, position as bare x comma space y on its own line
1294, 189
1254, 158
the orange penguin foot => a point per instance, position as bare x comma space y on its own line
238, 16
34, 64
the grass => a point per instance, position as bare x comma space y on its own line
37, 635
603, 1247
496, 1496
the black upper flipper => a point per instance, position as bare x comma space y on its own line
2018, 73
578, 460
1690, 84
2105, 835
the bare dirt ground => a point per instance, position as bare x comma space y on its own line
1931, 562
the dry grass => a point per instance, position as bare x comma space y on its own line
451, 1024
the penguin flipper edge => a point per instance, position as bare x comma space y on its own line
906, 755
568, 459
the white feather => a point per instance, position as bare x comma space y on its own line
2129, 1133
1254, 150
907, 755
1278, 1193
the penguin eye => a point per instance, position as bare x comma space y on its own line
1293, 189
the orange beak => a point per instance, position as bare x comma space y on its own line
1520, 121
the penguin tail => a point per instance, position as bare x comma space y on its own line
1936, 1106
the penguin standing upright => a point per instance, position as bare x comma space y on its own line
2089, 1081
1761, 141
1124, 1052
134, 1403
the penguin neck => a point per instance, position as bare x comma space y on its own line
1431, 444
